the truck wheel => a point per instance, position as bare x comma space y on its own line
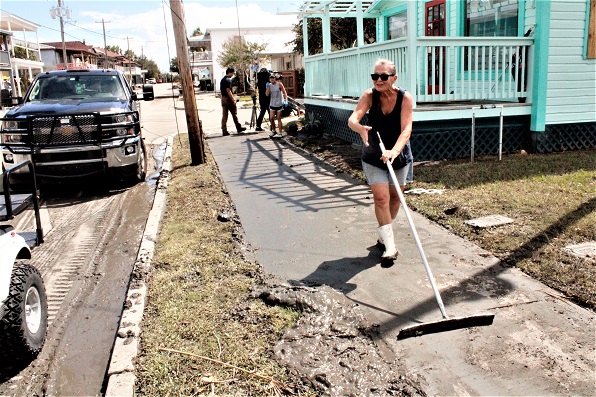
142, 164
25, 313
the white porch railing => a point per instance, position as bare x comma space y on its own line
25, 44
446, 69
200, 56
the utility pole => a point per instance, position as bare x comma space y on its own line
195, 133
58, 11
105, 45
143, 75
128, 53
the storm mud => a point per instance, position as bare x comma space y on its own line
334, 347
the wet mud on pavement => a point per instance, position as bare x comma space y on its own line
310, 226
86, 261
334, 347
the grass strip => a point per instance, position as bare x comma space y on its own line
199, 298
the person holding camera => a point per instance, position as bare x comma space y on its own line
262, 83
277, 98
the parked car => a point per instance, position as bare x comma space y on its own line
159, 81
77, 123
151, 81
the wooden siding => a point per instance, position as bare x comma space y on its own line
571, 91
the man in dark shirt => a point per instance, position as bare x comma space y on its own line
262, 81
228, 103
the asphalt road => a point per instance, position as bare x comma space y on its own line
91, 241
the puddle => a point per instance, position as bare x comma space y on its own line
331, 346
159, 152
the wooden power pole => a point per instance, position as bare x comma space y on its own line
195, 133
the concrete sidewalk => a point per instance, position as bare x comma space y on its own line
309, 224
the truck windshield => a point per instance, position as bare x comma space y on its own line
77, 87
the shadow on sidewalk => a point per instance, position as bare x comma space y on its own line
338, 273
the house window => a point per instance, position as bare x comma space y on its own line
491, 18
397, 26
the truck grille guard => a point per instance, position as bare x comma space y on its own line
39, 132
42, 131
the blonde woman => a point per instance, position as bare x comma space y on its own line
390, 114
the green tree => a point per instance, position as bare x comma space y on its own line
240, 54
174, 65
343, 34
114, 48
197, 32
21, 53
130, 55
150, 66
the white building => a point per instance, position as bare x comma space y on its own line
278, 54
23, 49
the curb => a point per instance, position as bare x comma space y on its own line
121, 375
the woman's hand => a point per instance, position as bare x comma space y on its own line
389, 155
363, 131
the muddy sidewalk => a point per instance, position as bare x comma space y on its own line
312, 226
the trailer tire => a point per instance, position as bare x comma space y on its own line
24, 319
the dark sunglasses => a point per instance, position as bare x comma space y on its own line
383, 76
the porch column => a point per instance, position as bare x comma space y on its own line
359, 24
409, 80
17, 81
30, 74
307, 88
540, 69
26, 43
305, 35
326, 25
38, 47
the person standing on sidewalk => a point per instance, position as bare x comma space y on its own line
228, 103
277, 98
262, 83
390, 113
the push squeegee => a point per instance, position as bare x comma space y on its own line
447, 323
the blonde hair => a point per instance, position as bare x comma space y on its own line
386, 62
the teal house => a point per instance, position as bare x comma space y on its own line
519, 74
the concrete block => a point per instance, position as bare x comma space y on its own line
121, 385
583, 250
489, 221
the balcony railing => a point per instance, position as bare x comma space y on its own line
200, 56
443, 69
25, 44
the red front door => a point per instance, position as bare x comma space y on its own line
435, 26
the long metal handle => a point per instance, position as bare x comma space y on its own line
415, 233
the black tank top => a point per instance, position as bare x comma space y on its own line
389, 127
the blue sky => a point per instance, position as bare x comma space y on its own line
145, 26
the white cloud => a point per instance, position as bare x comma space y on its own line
146, 31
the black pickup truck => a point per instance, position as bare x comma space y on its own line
77, 123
